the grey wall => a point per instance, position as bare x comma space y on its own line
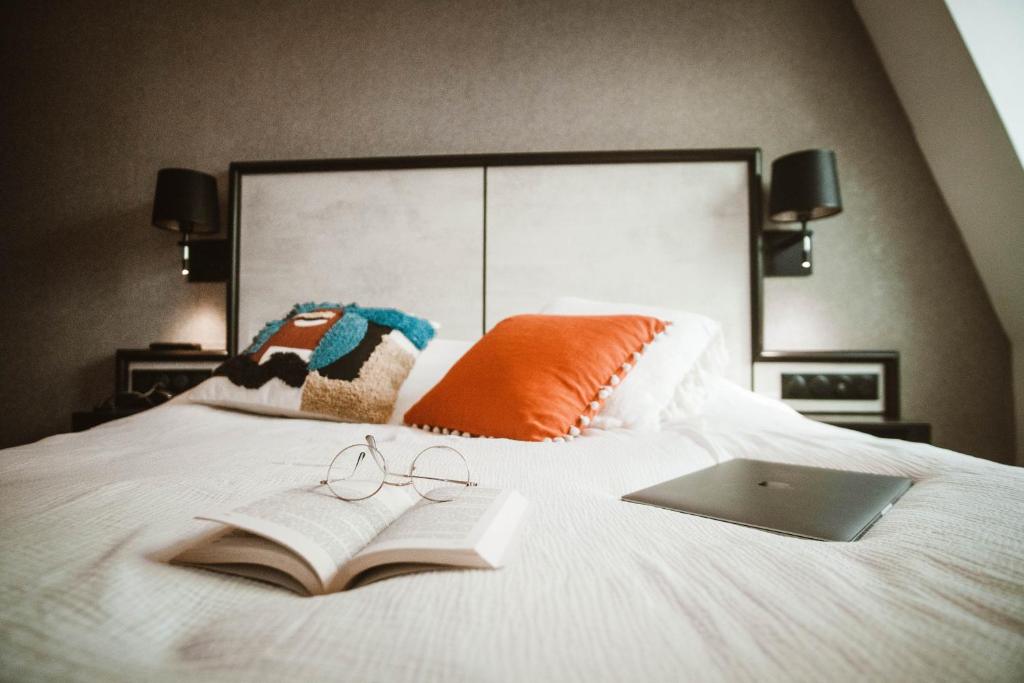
956, 67
97, 98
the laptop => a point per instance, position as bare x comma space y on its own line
812, 502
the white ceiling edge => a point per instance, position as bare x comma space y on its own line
965, 142
993, 31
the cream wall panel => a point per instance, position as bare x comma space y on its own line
409, 239
664, 234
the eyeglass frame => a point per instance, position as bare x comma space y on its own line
382, 463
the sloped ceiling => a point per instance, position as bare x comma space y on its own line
956, 67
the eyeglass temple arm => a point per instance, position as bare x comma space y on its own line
464, 482
412, 476
372, 443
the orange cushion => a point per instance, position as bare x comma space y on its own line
536, 377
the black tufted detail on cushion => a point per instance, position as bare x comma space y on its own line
245, 372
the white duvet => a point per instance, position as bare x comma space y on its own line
598, 589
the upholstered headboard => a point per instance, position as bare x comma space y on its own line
469, 240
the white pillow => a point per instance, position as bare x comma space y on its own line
668, 381
432, 364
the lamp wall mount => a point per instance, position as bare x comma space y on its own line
788, 253
208, 260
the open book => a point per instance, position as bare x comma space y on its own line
310, 542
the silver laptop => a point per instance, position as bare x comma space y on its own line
828, 505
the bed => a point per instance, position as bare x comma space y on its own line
598, 589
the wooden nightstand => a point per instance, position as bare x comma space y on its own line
880, 426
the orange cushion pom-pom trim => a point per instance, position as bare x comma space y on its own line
536, 377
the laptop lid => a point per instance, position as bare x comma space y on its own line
813, 502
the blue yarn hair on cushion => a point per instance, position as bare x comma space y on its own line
341, 339
418, 330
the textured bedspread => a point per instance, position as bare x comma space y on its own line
597, 590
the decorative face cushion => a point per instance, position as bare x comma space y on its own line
325, 361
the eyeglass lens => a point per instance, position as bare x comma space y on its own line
357, 472
439, 472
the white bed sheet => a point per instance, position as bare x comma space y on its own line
598, 590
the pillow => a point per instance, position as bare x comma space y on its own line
536, 377
430, 367
669, 384
323, 361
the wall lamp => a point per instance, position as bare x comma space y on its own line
186, 201
805, 187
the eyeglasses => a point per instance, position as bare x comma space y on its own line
360, 471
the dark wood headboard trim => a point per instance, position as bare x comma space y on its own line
751, 156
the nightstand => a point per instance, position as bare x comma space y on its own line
880, 426
142, 369
139, 370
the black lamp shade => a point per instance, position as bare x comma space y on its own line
186, 200
805, 186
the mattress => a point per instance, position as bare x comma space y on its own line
597, 589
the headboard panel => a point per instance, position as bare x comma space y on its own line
411, 239
468, 240
666, 234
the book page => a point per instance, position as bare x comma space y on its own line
234, 551
472, 530
262, 573
323, 530
387, 571
442, 525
